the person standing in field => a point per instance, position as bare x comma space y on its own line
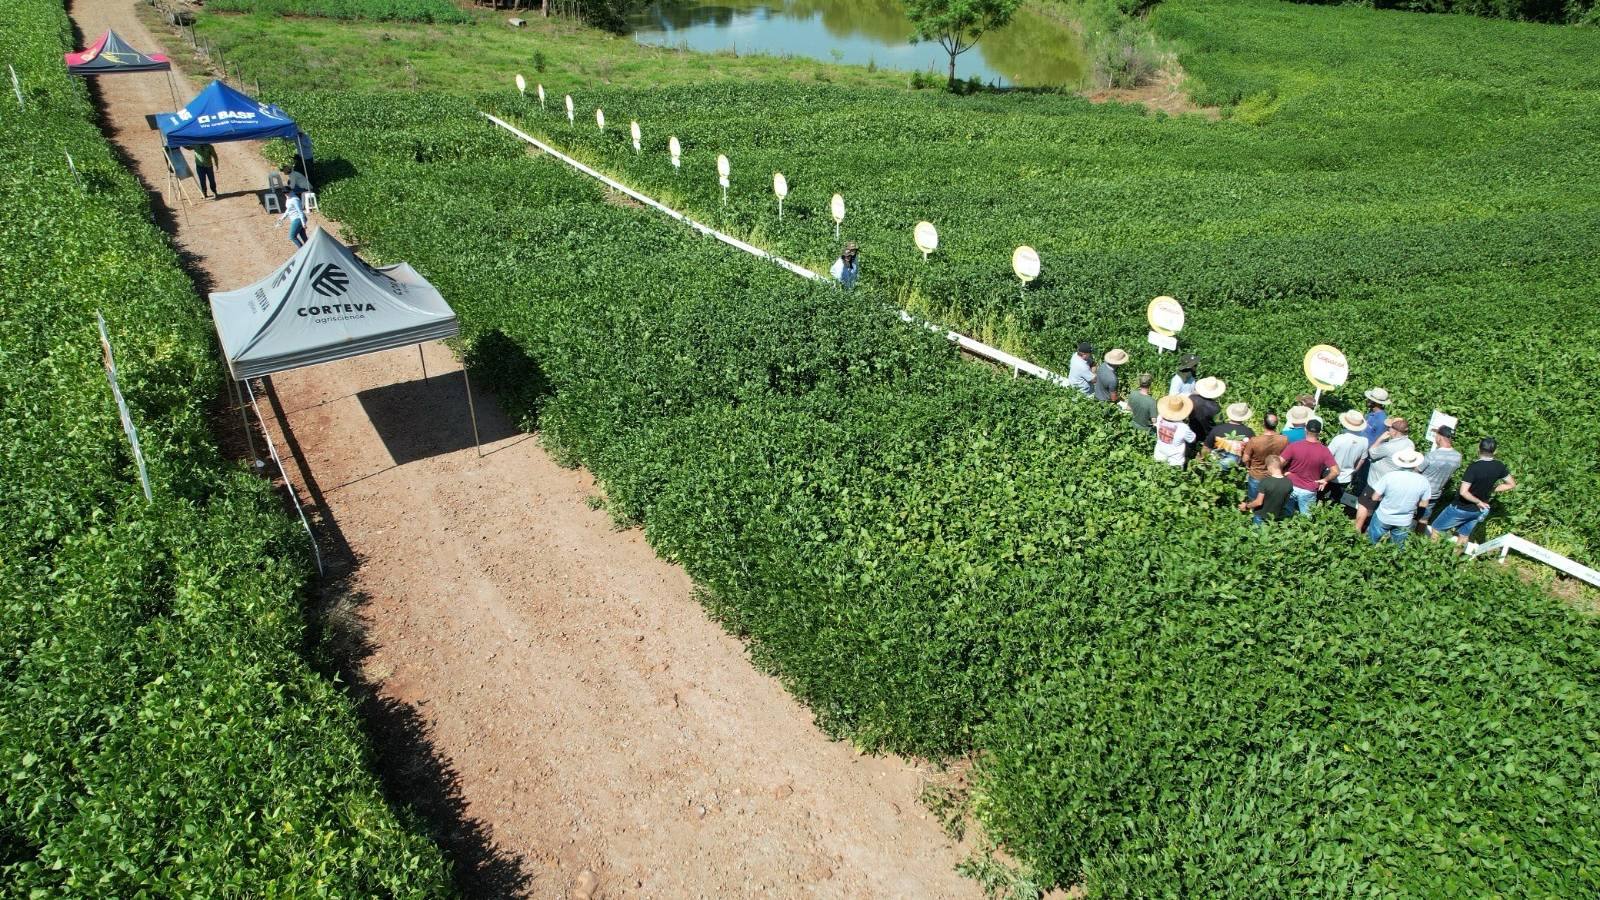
1479, 483
1394, 441
1080, 372
1183, 382
1142, 405
1203, 416
295, 214
1398, 496
1377, 415
205, 168
1256, 450
1228, 439
847, 268
1272, 499
1310, 467
1297, 416
1349, 449
1173, 434
1438, 465
1105, 378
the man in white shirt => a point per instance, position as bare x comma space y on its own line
1380, 463
1349, 448
1400, 496
1081, 374
1173, 434
1183, 383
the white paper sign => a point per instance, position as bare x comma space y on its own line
926, 237
600, 119
836, 206
1025, 262
1164, 341
722, 167
1165, 315
676, 149
522, 85
633, 128
541, 95
780, 185
1435, 422
569, 110
1326, 367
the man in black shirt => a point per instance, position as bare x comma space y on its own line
1479, 483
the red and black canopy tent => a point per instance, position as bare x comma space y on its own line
111, 55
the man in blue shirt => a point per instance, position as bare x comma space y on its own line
1081, 374
1377, 415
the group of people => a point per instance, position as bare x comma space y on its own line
1372, 465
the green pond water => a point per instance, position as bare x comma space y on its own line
1035, 50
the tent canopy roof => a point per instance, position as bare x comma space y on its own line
219, 113
111, 55
326, 304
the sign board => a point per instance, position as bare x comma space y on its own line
1435, 422
600, 119
1164, 341
1326, 367
541, 95
676, 149
722, 167
926, 238
780, 185
1506, 543
569, 110
1165, 315
175, 159
633, 129
110, 363
836, 206
522, 85
1025, 262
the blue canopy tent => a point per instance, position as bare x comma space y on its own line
219, 113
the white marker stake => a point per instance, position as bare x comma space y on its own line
570, 120
600, 119
1025, 263
722, 176
522, 85
541, 96
676, 149
926, 238
837, 208
633, 127
780, 186
74, 167
16, 86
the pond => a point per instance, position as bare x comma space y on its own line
1035, 50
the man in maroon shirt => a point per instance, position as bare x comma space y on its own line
1310, 467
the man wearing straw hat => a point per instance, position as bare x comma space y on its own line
1377, 414
1349, 448
1310, 467
1297, 417
1105, 378
1173, 434
1228, 438
1256, 450
1203, 415
1400, 495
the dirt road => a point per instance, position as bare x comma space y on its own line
571, 702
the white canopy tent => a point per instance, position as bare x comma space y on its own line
326, 304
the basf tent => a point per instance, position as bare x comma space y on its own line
111, 55
326, 304
219, 113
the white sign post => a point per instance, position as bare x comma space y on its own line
600, 119
522, 85
926, 237
1166, 320
570, 120
722, 176
74, 167
1025, 263
836, 206
1326, 368
541, 96
780, 187
122, 405
633, 129
17, 87
676, 150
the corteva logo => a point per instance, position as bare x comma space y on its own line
337, 309
329, 280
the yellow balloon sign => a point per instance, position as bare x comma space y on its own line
1325, 367
1025, 262
1165, 315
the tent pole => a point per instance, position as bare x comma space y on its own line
245, 418
424, 362
471, 408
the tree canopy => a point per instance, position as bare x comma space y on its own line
958, 24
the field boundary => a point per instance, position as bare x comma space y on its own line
1016, 364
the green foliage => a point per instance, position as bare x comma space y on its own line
436, 11
160, 732
1570, 11
957, 25
942, 560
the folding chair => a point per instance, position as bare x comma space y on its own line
270, 201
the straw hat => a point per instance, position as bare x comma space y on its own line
1352, 420
1210, 387
1116, 356
1408, 459
1298, 416
1378, 396
1239, 412
1174, 407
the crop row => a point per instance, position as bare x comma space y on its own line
160, 732
942, 560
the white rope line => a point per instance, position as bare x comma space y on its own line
976, 348
293, 494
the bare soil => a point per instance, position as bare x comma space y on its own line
541, 686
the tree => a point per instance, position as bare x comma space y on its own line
957, 24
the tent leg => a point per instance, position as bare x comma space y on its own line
473, 410
424, 359
244, 418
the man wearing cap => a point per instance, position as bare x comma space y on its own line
1438, 465
1377, 414
1105, 378
1183, 382
1479, 483
1173, 434
1142, 405
1310, 467
847, 268
1228, 438
1399, 495
1349, 448
1256, 450
1080, 374
1297, 417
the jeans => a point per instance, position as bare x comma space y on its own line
1397, 533
1252, 484
1300, 499
297, 232
1226, 461
207, 175
1453, 517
